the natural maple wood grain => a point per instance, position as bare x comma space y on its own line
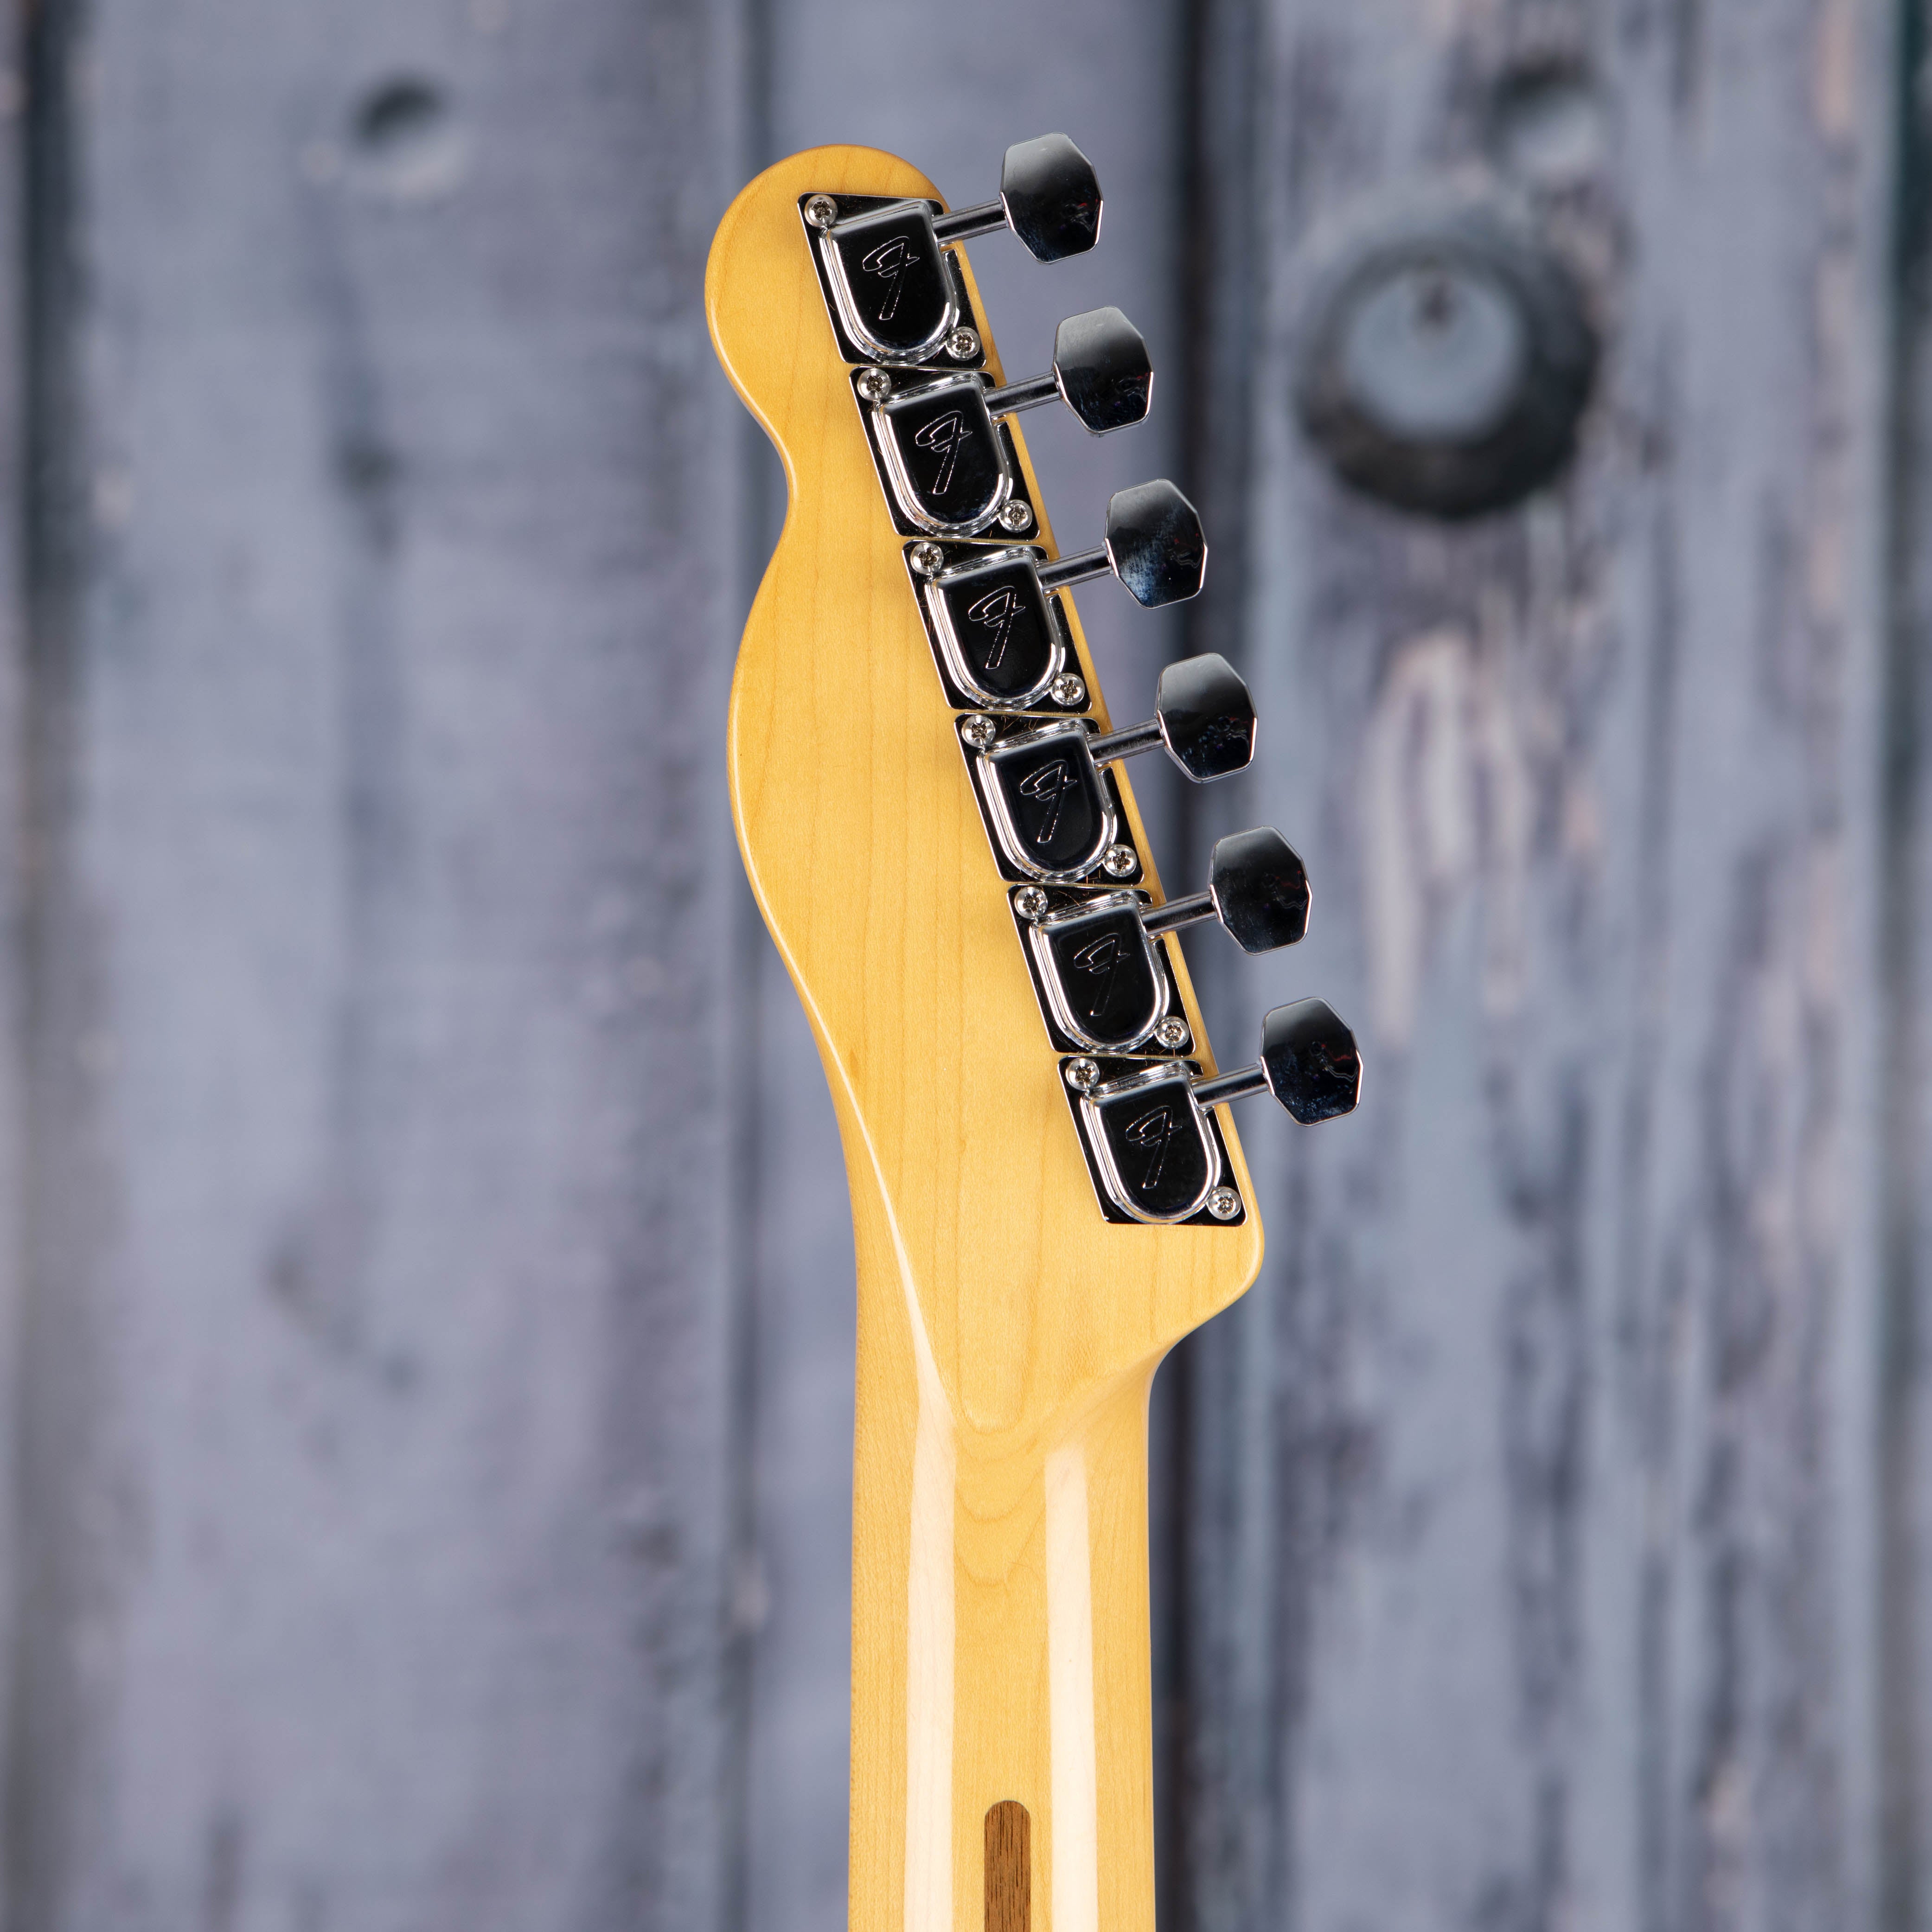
1007, 1333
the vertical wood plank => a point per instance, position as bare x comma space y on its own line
19, 429
1905, 1895
1532, 1580
379, 1414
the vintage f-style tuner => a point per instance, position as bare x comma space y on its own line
989, 612
1053, 817
891, 284
1095, 958
1146, 1129
947, 465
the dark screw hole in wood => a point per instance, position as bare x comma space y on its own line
407, 141
396, 113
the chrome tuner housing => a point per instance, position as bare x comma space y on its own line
999, 638
1158, 1157
1051, 815
1105, 985
946, 464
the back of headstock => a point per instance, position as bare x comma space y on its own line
1047, 1189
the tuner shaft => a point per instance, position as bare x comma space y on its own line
966, 224
1030, 395
1075, 569
1128, 743
1178, 913
1238, 1085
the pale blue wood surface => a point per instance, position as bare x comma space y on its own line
381, 1448
430, 1317
1536, 1544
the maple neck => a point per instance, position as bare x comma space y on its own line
1047, 1191
1001, 1712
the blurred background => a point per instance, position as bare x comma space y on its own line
426, 1314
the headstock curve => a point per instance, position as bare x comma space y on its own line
860, 813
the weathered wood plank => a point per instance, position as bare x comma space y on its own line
1905, 1883
1533, 1564
19, 432
379, 1410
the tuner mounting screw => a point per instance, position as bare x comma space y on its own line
978, 732
1172, 1033
963, 344
1083, 1074
927, 558
1120, 861
874, 385
1015, 517
1029, 902
821, 211
1067, 689
1224, 1204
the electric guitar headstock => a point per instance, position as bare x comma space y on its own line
1047, 1189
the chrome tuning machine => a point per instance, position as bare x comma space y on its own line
1053, 818
1102, 978
1150, 1137
1308, 1062
1257, 888
949, 469
891, 285
989, 611
1049, 197
1154, 544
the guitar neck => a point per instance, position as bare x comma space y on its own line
1047, 1192
1001, 1720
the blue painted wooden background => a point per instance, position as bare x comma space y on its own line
425, 1311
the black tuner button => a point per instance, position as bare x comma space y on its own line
1310, 1059
1260, 890
1101, 364
1309, 1062
1049, 197
1101, 370
1204, 716
1257, 888
1154, 545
